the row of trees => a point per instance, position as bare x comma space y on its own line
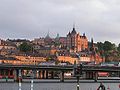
109, 50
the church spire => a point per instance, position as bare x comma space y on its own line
91, 41
74, 31
57, 35
74, 25
84, 34
48, 36
92, 45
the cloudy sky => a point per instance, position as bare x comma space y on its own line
30, 19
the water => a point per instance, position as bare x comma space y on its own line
58, 86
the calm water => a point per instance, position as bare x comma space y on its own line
58, 86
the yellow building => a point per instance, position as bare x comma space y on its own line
46, 51
9, 60
67, 59
30, 59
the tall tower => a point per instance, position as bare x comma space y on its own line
57, 35
48, 39
91, 45
47, 36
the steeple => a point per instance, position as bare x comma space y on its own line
57, 35
47, 36
74, 26
69, 33
92, 44
91, 40
73, 31
83, 34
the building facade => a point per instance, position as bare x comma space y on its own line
76, 42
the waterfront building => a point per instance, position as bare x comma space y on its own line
34, 60
67, 59
8, 60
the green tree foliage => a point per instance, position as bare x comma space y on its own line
118, 48
108, 46
100, 46
25, 47
107, 50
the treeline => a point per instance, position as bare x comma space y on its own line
109, 51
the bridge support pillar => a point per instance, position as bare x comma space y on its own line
20, 75
119, 74
89, 75
43, 74
62, 76
9, 72
46, 74
52, 74
0, 72
17, 75
4, 72
40, 74
37, 74
34, 74
95, 76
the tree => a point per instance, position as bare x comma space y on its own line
107, 50
25, 47
108, 46
100, 46
118, 48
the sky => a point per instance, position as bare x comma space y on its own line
99, 19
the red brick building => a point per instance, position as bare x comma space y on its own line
76, 42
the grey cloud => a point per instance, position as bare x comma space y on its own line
33, 18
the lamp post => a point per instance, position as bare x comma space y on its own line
78, 86
31, 87
76, 74
32, 84
19, 79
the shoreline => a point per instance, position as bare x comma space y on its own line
58, 81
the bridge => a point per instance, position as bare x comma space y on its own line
62, 67
43, 70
